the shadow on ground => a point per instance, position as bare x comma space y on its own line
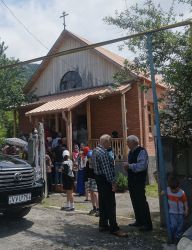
10, 227
86, 236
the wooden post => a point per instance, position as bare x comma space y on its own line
69, 131
56, 122
42, 160
124, 125
89, 119
36, 122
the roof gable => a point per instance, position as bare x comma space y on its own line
108, 55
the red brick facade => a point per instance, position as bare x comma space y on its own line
106, 116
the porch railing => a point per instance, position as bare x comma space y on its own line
117, 146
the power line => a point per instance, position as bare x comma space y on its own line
95, 45
28, 31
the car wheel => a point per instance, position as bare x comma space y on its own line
17, 213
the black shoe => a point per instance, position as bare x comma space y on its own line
104, 229
120, 233
135, 224
146, 228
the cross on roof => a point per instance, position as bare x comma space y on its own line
64, 14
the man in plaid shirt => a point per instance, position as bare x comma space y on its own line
105, 178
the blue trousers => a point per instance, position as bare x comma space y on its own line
80, 182
176, 225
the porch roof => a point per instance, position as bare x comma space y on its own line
70, 100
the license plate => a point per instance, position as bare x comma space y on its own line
20, 198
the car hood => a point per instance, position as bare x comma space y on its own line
9, 162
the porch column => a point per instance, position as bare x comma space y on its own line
56, 122
36, 122
69, 131
124, 125
89, 119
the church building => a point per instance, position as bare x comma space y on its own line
75, 95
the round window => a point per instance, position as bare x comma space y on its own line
71, 80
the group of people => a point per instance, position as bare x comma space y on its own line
136, 168
73, 173
92, 172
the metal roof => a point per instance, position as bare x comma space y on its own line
70, 100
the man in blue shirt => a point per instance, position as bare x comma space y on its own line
137, 172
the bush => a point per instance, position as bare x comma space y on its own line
2, 142
122, 183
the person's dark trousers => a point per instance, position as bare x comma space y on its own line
107, 204
49, 182
140, 204
58, 173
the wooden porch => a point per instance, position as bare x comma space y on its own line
102, 116
118, 146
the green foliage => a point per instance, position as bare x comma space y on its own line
2, 142
152, 190
122, 183
6, 125
146, 16
177, 116
11, 95
28, 70
11, 83
172, 58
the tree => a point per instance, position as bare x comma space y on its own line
11, 86
177, 117
172, 53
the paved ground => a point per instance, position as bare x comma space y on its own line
50, 228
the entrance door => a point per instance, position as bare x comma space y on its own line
82, 129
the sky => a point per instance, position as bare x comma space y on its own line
42, 18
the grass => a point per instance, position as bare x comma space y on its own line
152, 190
60, 199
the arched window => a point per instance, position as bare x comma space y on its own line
70, 80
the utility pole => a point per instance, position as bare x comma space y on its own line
64, 14
162, 170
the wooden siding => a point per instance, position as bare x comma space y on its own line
94, 69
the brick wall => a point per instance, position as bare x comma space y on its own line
106, 116
149, 136
133, 111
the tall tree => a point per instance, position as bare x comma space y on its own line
11, 86
172, 53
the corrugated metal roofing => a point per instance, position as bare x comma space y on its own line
69, 100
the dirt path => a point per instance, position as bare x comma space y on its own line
46, 228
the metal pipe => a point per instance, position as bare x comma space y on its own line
163, 177
95, 45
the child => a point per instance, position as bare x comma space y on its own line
92, 186
68, 181
178, 207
